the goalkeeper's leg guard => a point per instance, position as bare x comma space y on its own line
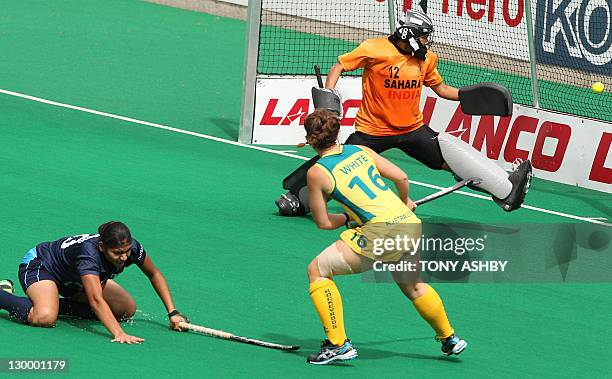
508, 190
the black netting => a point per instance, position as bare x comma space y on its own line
296, 35
483, 41
574, 50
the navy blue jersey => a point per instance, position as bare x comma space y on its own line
68, 258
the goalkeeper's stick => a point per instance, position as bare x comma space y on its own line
232, 337
448, 190
318, 74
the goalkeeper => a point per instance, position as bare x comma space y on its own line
395, 70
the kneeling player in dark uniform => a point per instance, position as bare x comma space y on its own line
81, 269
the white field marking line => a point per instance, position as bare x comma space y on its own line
587, 219
146, 123
604, 219
594, 220
254, 147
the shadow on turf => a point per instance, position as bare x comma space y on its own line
228, 127
87, 324
84, 324
594, 199
365, 349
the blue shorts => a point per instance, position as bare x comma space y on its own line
31, 270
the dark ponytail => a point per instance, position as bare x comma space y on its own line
114, 234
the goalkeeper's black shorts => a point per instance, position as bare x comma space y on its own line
421, 144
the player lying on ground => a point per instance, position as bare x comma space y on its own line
81, 269
368, 202
395, 70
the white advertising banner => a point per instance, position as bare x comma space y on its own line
361, 14
283, 103
562, 148
237, 2
476, 24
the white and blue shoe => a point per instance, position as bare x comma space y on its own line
331, 353
452, 345
7, 286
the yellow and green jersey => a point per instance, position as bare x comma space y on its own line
359, 188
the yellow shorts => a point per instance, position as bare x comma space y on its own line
383, 241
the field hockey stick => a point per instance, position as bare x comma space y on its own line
317, 70
318, 74
233, 337
448, 190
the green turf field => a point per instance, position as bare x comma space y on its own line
203, 210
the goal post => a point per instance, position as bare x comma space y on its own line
245, 134
285, 39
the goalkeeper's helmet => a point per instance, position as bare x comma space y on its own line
410, 28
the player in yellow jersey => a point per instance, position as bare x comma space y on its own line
352, 175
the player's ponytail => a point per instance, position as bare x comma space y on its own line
114, 234
322, 128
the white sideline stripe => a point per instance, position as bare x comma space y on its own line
152, 124
254, 147
594, 220
587, 219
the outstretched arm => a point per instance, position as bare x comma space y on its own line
93, 290
161, 287
446, 91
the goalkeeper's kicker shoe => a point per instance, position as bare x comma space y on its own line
6, 285
520, 178
452, 345
330, 353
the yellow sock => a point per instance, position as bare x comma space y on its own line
328, 303
430, 307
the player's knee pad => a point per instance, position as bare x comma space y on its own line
327, 99
467, 162
331, 262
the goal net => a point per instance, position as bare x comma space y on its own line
548, 54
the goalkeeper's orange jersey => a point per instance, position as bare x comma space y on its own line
391, 86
